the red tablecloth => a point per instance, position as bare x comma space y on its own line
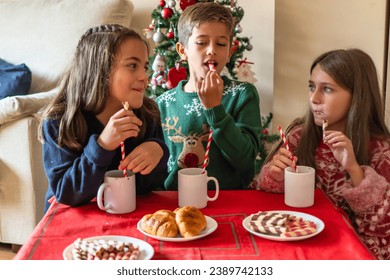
62, 225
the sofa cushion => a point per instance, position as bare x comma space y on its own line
16, 107
14, 79
43, 34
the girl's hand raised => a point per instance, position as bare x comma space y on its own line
280, 161
122, 125
143, 158
342, 150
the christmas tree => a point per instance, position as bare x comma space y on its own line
265, 138
167, 70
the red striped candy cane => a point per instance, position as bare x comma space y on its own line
126, 106
206, 155
287, 147
123, 157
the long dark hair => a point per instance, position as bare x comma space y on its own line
85, 86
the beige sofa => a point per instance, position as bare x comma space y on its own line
42, 34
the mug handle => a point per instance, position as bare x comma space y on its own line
216, 188
99, 197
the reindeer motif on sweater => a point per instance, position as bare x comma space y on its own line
193, 152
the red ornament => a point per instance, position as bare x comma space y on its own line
167, 13
175, 75
234, 48
185, 3
265, 131
162, 3
170, 34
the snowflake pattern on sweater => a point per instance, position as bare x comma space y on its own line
367, 205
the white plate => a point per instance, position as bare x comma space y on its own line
210, 228
146, 250
320, 226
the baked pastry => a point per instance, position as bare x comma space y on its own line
160, 224
190, 221
165, 213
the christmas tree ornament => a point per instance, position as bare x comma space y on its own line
238, 28
170, 34
158, 37
244, 72
158, 66
175, 75
162, 3
171, 3
167, 13
148, 33
249, 47
185, 3
234, 48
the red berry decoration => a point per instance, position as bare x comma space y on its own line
185, 3
162, 3
167, 13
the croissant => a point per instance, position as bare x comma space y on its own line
166, 213
190, 221
159, 224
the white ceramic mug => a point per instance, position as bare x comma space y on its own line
299, 186
117, 195
192, 187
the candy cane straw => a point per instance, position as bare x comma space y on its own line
287, 147
123, 157
206, 155
324, 126
126, 106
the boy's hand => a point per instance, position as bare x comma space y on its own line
143, 159
122, 125
210, 90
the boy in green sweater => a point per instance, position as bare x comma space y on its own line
207, 101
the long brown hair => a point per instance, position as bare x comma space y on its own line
353, 70
85, 86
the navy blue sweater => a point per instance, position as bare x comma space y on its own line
75, 176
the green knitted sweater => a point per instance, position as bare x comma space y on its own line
235, 140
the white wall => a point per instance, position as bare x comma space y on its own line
257, 24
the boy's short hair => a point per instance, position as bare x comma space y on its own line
199, 13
